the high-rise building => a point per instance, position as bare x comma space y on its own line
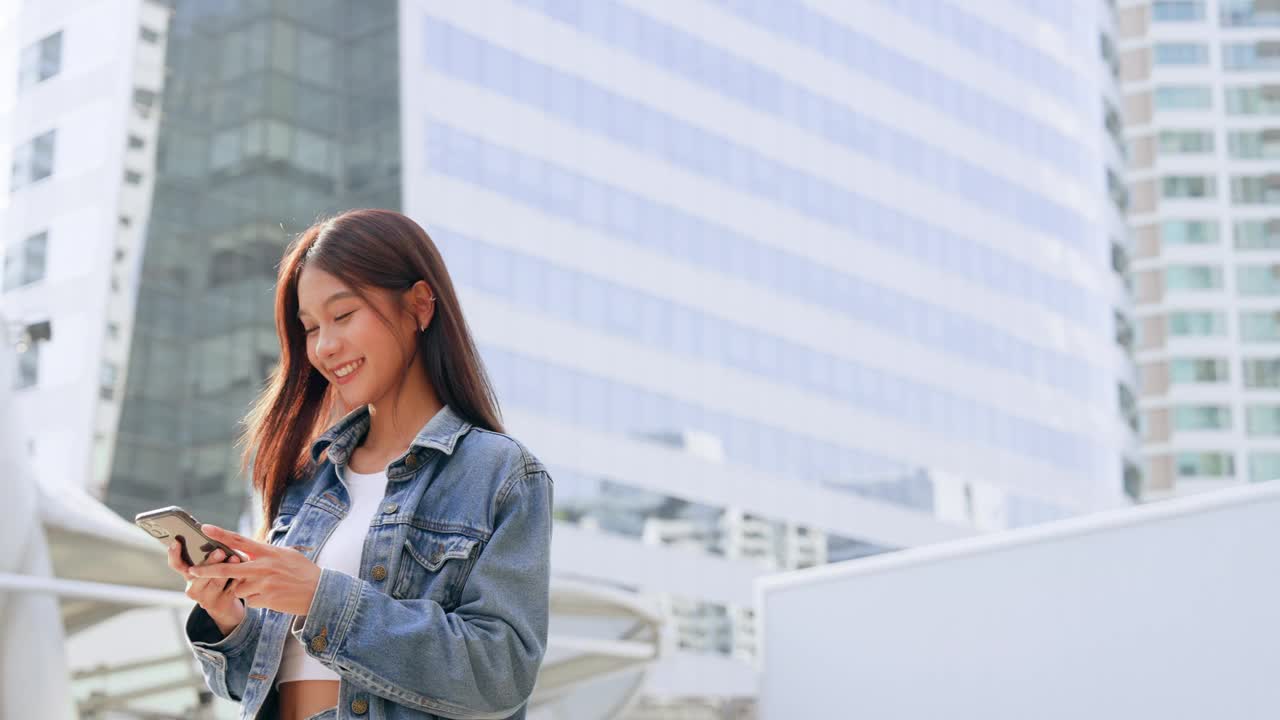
1201, 108
765, 284
79, 104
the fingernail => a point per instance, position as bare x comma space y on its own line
216, 555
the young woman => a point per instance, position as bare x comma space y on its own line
404, 567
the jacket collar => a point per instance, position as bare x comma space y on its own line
441, 432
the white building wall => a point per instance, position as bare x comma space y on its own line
88, 103
999, 366
1162, 611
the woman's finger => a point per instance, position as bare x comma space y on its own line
253, 548
175, 558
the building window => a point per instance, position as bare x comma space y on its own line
1257, 327
1198, 370
1261, 372
40, 61
1118, 190
1257, 234
1189, 232
144, 101
1124, 330
1186, 142
1193, 277
1115, 127
1188, 187
25, 263
107, 381
32, 160
1201, 323
1264, 466
1249, 13
1177, 10
1262, 55
1255, 190
1181, 54
1254, 144
1202, 417
147, 35
28, 370
133, 177
1263, 100
136, 143
1128, 405
1107, 50
113, 331
1205, 464
1262, 419
1183, 97
1258, 279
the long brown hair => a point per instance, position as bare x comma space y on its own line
365, 249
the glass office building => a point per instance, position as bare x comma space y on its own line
274, 113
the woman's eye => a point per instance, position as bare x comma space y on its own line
340, 317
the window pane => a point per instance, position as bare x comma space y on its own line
1193, 277
1259, 326
1189, 232
1208, 464
1186, 142
1195, 370
1257, 234
1188, 186
1262, 372
1258, 279
1263, 419
1183, 97
1202, 417
1264, 466
1194, 322
1177, 10
1181, 54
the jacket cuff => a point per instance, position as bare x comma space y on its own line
207, 639
332, 610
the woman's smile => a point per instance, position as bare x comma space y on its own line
343, 373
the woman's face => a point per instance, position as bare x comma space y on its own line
347, 341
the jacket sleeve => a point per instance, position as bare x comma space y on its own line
224, 661
478, 661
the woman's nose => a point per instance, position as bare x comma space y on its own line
326, 344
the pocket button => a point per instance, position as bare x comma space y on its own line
379, 573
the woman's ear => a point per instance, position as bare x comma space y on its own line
422, 303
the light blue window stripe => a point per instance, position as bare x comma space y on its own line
594, 108
994, 45
608, 308
862, 53
588, 400
555, 190
719, 71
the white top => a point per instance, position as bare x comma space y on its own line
340, 552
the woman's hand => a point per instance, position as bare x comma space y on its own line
276, 578
217, 597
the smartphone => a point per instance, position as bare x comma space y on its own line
173, 524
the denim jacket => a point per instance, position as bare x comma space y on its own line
448, 617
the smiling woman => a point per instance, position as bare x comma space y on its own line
403, 570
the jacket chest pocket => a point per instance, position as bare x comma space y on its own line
434, 565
